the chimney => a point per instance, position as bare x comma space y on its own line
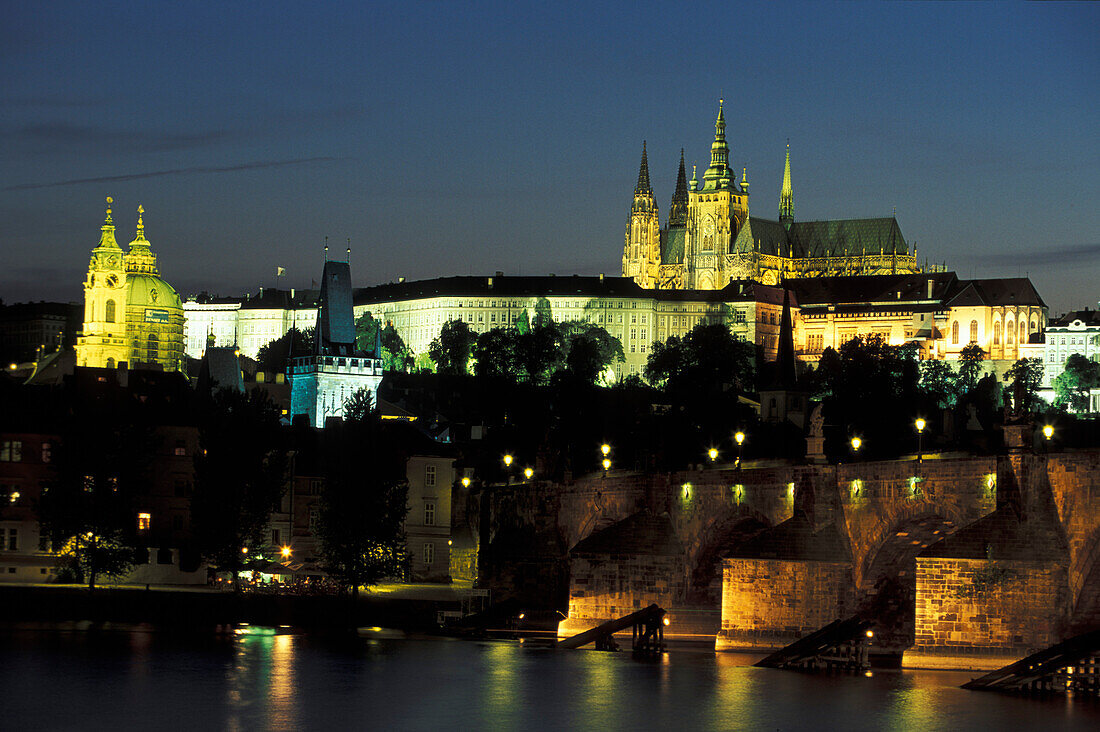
499, 273
930, 283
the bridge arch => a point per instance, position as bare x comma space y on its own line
1084, 583
898, 518
720, 534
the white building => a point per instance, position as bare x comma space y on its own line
1075, 332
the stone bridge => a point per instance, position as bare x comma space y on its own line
974, 555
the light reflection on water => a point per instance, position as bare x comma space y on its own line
261, 679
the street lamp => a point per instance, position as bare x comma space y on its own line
285, 551
605, 449
606, 465
856, 444
712, 453
527, 473
1048, 431
920, 437
740, 439
465, 481
507, 461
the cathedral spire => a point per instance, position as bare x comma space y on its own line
718, 174
786, 195
677, 212
140, 236
643, 187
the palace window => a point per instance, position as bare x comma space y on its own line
11, 451
429, 475
429, 513
13, 540
109, 315
429, 553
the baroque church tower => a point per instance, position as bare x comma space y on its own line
102, 341
642, 249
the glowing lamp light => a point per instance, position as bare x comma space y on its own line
605, 449
465, 481
920, 424
1048, 431
244, 550
285, 551
14, 496
665, 621
712, 453
606, 464
740, 437
856, 443
522, 616
507, 461
870, 633
527, 473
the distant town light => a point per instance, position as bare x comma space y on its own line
14, 496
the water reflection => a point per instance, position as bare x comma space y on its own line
261, 679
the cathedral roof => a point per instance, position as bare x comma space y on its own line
672, 245
762, 235
847, 237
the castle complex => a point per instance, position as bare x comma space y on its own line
131, 315
710, 238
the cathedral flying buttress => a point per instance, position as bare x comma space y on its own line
710, 238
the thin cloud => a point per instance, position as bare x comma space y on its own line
258, 165
1069, 256
53, 134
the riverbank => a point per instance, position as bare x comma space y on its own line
414, 610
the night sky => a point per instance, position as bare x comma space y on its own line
453, 138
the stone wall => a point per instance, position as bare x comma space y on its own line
979, 606
768, 603
604, 587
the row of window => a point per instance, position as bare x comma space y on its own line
11, 451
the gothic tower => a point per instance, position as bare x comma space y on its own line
642, 248
102, 341
716, 212
786, 195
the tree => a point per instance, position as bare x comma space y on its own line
496, 354
366, 332
543, 314
1072, 387
364, 504
523, 323
1026, 375
938, 382
240, 475
275, 356
451, 349
359, 405
590, 349
708, 359
396, 356
970, 368
102, 462
540, 352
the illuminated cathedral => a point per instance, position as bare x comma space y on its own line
131, 315
710, 238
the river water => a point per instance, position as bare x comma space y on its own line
256, 678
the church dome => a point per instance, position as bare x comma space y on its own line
149, 291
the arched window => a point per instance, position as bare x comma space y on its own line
1034, 326
151, 348
973, 331
1023, 332
955, 333
1010, 333
997, 333
110, 363
109, 313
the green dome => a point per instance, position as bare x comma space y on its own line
150, 291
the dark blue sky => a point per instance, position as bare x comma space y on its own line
452, 138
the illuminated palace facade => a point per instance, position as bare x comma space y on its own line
711, 239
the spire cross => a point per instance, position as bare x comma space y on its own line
140, 223
109, 202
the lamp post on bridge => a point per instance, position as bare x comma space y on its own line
739, 438
920, 424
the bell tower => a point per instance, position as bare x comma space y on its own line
102, 341
642, 246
